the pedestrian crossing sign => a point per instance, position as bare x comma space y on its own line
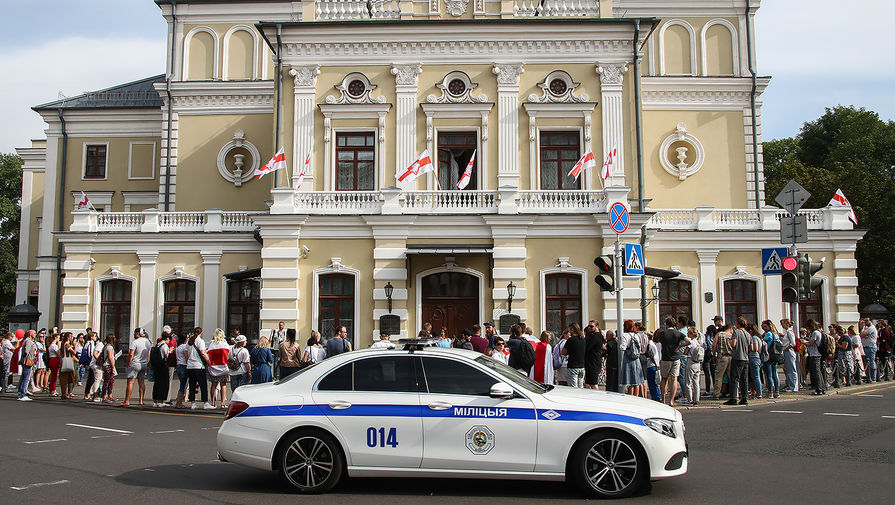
634, 263
772, 260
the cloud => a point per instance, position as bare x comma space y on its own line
72, 65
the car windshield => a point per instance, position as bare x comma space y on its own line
296, 374
512, 375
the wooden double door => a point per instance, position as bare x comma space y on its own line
451, 300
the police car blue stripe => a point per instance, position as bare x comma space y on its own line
463, 412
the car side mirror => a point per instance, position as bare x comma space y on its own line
502, 390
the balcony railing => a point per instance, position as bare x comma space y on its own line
337, 202
536, 202
357, 9
338, 10
449, 202
768, 218
151, 221
556, 8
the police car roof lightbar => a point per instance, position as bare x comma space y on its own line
415, 344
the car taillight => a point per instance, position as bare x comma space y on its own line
235, 409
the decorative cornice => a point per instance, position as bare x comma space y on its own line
688, 93
223, 97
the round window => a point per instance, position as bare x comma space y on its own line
558, 86
356, 88
456, 87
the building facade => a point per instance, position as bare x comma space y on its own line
181, 233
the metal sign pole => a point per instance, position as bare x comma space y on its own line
619, 309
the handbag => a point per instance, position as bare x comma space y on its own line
171, 359
29, 362
68, 364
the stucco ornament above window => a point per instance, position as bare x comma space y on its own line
232, 162
558, 87
456, 7
456, 87
355, 88
681, 154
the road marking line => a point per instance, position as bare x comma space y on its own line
97, 428
888, 417
166, 431
211, 428
787, 411
38, 484
736, 410
110, 436
46, 441
872, 390
840, 414
871, 396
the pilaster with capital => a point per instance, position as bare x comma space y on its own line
611, 80
708, 258
211, 267
508, 123
305, 81
406, 89
146, 314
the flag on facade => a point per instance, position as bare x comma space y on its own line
587, 161
84, 202
304, 171
609, 164
276, 163
839, 200
421, 165
464, 179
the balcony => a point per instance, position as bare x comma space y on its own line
153, 221
340, 10
767, 218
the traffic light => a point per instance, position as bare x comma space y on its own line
606, 278
791, 284
807, 269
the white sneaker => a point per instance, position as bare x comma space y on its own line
163, 404
194, 406
10, 388
25, 399
97, 400
209, 406
155, 404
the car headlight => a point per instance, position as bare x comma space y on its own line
663, 426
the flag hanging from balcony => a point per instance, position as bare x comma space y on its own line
277, 162
421, 165
304, 171
839, 200
84, 202
609, 164
464, 179
587, 161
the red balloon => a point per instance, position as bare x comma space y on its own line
20, 334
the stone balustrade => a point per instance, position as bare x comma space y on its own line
767, 218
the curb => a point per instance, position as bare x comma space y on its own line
78, 402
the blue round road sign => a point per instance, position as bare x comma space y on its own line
618, 217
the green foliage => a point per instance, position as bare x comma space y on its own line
10, 212
851, 149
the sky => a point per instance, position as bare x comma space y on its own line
820, 53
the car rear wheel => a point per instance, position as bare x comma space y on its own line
609, 465
311, 462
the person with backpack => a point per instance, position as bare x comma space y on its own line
790, 356
844, 358
695, 356
575, 348
775, 357
158, 358
884, 350
218, 371
756, 349
816, 344
338, 343
522, 354
631, 372
239, 363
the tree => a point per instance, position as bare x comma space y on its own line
10, 213
852, 149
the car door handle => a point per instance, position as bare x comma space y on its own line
339, 405
440, 406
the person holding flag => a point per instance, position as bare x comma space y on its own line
276, 163
421, 165
839, 200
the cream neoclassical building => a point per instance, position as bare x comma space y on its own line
184, 235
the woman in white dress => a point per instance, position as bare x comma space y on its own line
314, 351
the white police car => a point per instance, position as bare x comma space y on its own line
434, 412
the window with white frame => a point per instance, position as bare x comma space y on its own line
563, 301
355, 161
115, 308
741, 299
455, 150
558, 153
180, 305
675, 299
95, 157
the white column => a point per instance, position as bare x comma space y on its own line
211, 264
708, 284
612, 106
146, 308
305, 80
773, 285
24, 237
46, 244
406, 89
508, 123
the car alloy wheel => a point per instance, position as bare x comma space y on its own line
311, 462
609, 465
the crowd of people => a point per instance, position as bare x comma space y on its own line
668, 365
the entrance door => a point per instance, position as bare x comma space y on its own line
450, 299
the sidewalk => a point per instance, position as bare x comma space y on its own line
803, 394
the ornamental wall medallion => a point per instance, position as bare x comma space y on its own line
681, 154
456, 87
355, 88
558, 87
456, 7
238, 159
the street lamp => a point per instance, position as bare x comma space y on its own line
646, 301
511, 292
246, 290
389, 289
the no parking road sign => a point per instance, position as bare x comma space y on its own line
618, 217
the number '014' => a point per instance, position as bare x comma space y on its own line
379, 437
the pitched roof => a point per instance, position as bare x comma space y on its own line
132, 95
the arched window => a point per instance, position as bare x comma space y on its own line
336, 307
675, 299
740, 300
812, 308
718, 49
115, 308
180, 306
677, 48
243, 308
563, 300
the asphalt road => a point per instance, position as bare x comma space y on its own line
838, 449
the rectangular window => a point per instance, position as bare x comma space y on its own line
563, 299
355, 161
454, 151
558, 153
95, 162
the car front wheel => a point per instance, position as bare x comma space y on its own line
311, 462
609, 465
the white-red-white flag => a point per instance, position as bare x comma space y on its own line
84, 202
276, 163
467, 174
839, 200
421, 165
587, 161
304, 171
609, 164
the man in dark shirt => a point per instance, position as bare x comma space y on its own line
479, 343
611, 362
513, 344
575, 349
708, 364
671, 340
739, 364
593, 354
